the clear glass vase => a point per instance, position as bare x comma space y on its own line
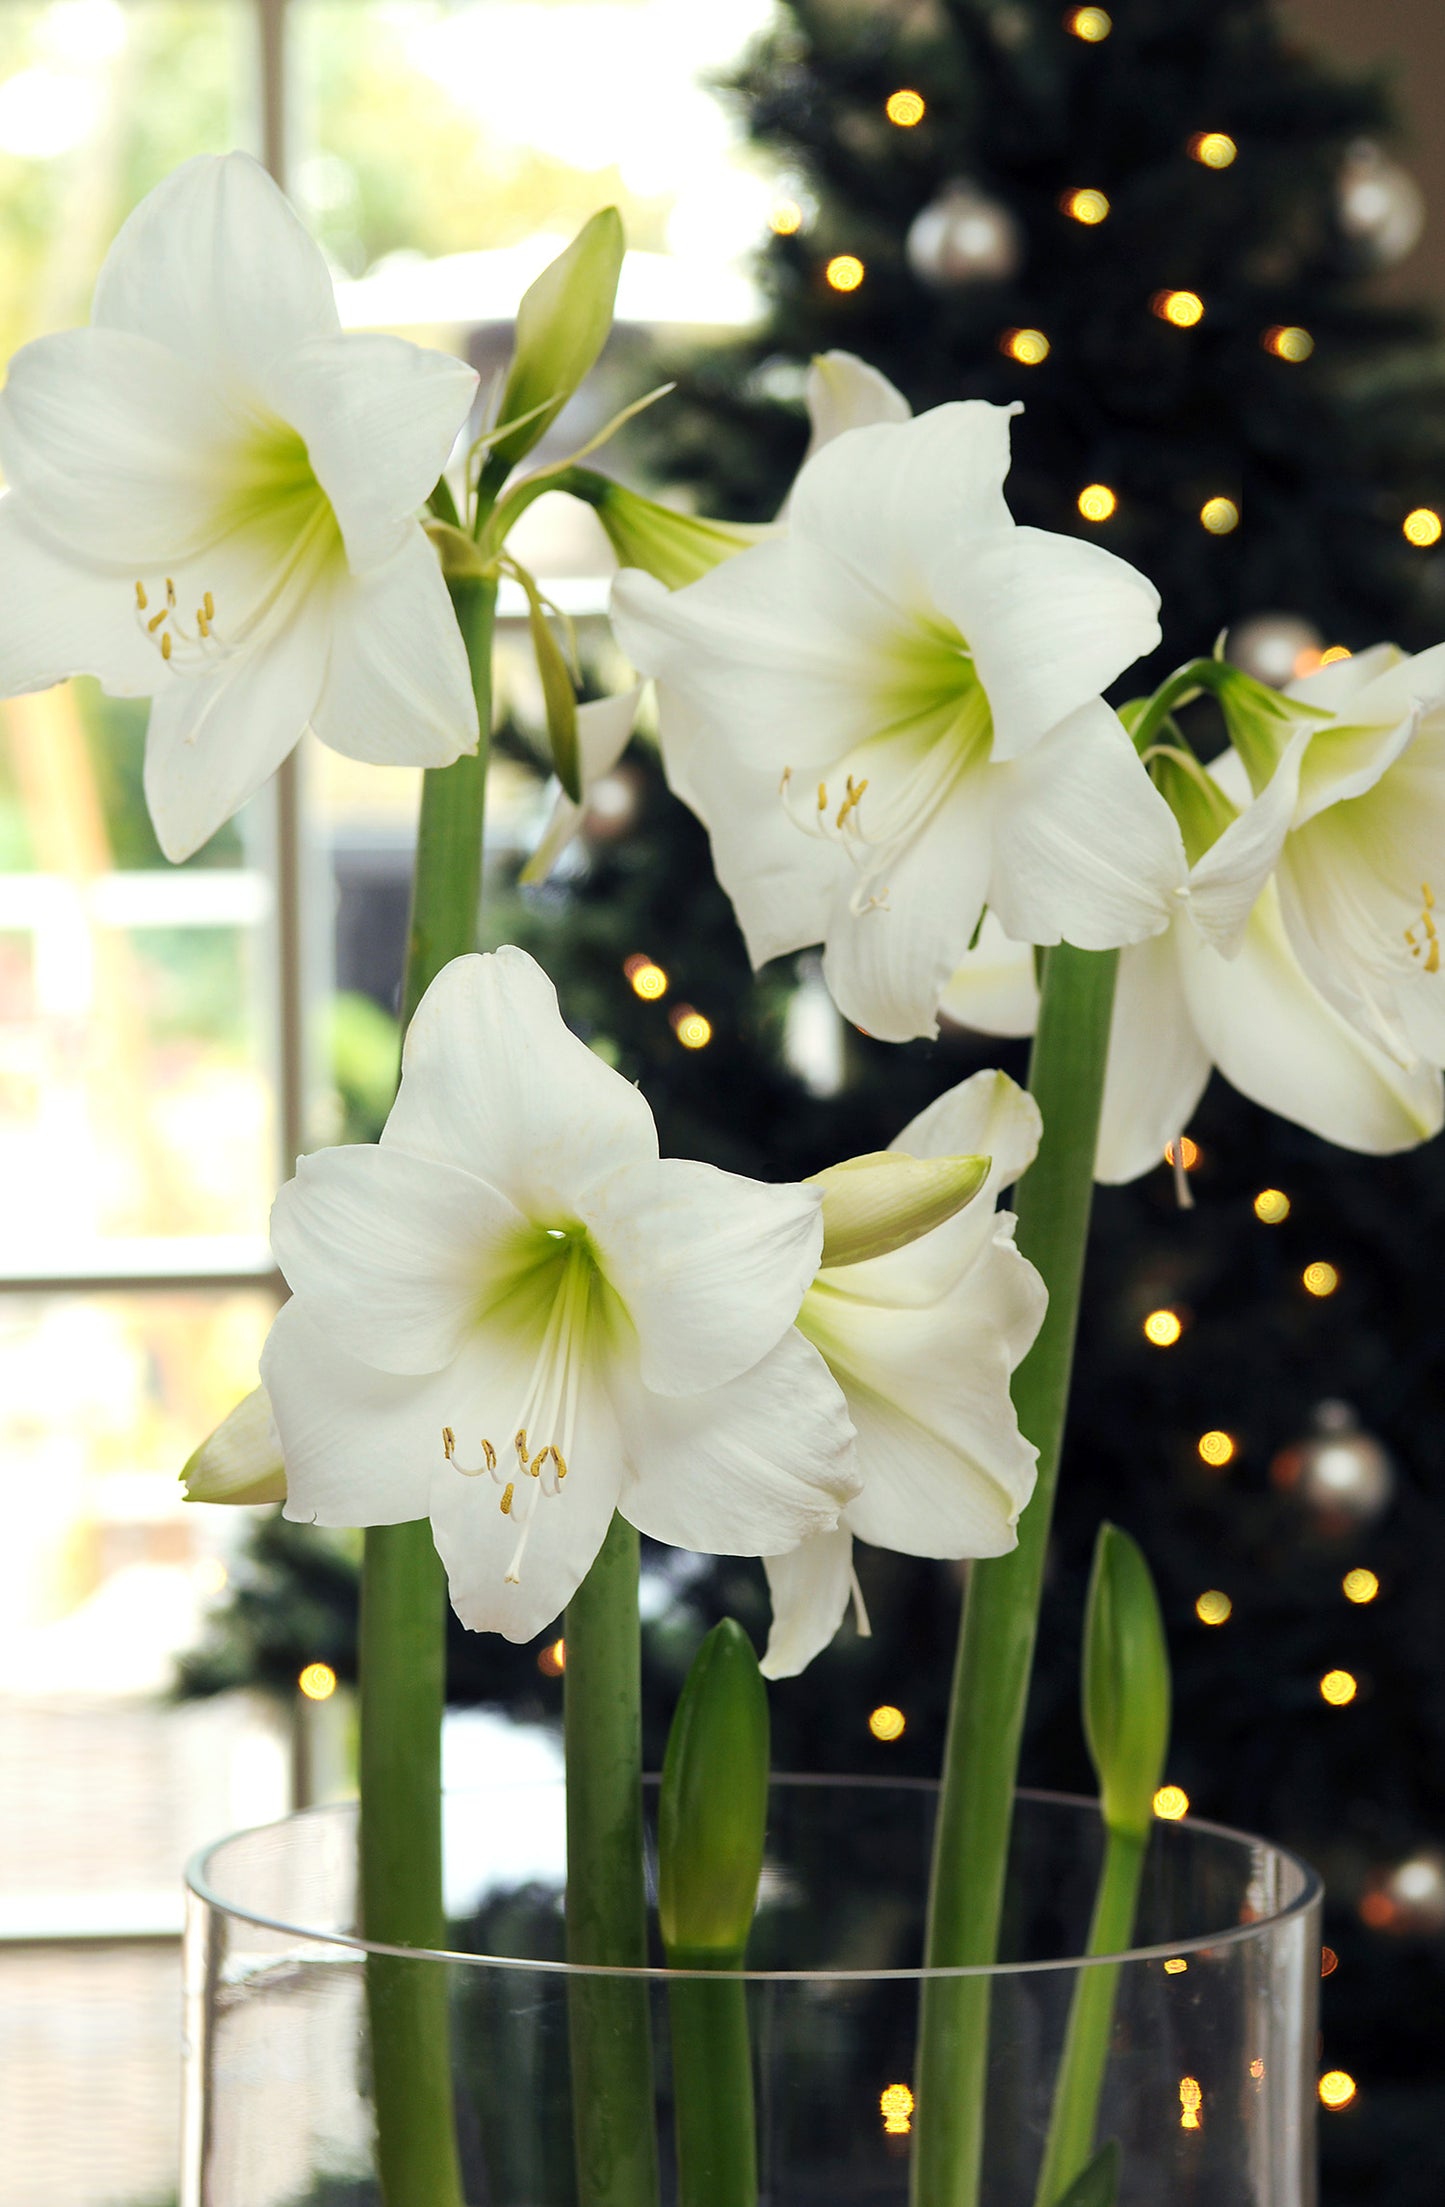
1209, 2085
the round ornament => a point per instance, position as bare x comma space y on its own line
1339, 1470
964, 237
1275, 647
1381, 207
1416, 1893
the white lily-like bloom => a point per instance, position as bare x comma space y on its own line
1364, 861
887, 716
514, 1318
604, 730
922, 1342
213, 501
1222, 986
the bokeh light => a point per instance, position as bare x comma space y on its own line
1423, 526
1212, 149
1097, 502
1333, 653
905, 108
1163, 1328
1181, 309
1288, 341
895, 2105
1191, 2099
1188, 1151
1027, 347
786, 219
1170, 1803
1320, 1279
887, 1723
1329, 1961
648, 980
1339, 1687
552, 1660
317, 1682
1213, 1607
693, 1031
1087, 206
1175, 1966
1090, 24
1337, 2088
1216, 1447
844, 272
1219, 515
1360, 1585
1271, 1206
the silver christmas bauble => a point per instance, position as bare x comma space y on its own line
1344, 1474
963, 237
1274, 647
1381, 207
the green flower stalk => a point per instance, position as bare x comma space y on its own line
711, 1821
1126, 1723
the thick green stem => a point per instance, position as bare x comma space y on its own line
712, 2090
403, 1602
1000, 1619
1086, 2044
608, 2020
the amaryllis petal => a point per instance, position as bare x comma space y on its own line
755, 1465
398, 690
60, 619
1158, 1067
995, 989
811, 1588
359, 1444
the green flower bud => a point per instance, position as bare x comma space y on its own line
562, 325
884, 1200
1261, 721
241, 1461
1126, 1683
677, 548
714, 1803
1194, 797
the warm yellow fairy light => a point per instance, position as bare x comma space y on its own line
1333, 653
692, 1030
1188, 1151
1360, 1585
1423, 526
317, 1682
1256, 2068
887, 1723
1097, 502
552, 1660
1320, 1279
1287, 341
1216, 1447
844, 272
1090, 24
1180, 308
895, 2105
648, 980
1213, 1607
786, 219
1163, 1328
1191, 2099
1219, 515
905, 108
1212, 149
1027, 347
1337, 2088
1087, 206
1271, 1206
1170, 1803
1338, 1687
1176, 1966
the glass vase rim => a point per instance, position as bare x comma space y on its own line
1310, 1890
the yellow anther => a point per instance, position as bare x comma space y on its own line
489, 1453
155, 621
1427, 896
851, 801
201, 622
209, 606
170, 593
507, 1493
519, 1442
166, 646
1432, 959
822, 796
561, 1465
449, 1442
141, 600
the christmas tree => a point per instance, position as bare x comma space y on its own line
1157, 226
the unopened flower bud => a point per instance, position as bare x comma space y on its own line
1126, 1683
562, 325
884, 1200
713, 1807
241, 1461
675, 548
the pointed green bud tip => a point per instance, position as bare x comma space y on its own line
1260, 720
676, 548
712, 1813
241, 1461
884, 1200
562, 325
1126, 1683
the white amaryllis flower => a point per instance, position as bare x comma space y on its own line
604, 730
213, 500
922, 1342
513, 1318
1221, 987
888, 718
1363, 864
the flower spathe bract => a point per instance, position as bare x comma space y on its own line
241, 1461
922, 1342
513, 1317
888, 717
604, 729
213, 499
